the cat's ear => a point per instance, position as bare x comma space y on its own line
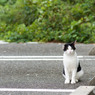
74, 42
64, 47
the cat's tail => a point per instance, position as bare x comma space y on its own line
79, 74
64, 73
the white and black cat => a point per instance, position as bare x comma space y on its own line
72, 70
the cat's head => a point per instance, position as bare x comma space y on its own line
69, 48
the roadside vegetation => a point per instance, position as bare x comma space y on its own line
47, 20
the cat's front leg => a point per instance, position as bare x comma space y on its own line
73, 81
67, 80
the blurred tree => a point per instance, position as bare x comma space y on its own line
47, 20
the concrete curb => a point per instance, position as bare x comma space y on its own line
92, 51
92, 81
84, 90
3, 42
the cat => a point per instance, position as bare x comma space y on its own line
72, 70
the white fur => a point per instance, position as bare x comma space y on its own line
70, 66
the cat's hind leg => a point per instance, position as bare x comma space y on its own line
79, 75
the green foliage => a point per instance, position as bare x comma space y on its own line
4, 2
47, 20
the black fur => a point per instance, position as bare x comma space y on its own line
69, 44
63, 71
79, 67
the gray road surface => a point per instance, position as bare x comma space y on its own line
39, 74
40, 49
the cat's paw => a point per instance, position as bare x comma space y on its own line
77, 80
67, 81
73, 82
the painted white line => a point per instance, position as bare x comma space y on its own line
38, 59
42, 56
87, 59
31, 59
30, 56
35, 90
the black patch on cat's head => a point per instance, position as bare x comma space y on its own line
69, 44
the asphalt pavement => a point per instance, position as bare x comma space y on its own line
40, 74
41, 49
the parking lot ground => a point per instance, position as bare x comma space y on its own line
40, 74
